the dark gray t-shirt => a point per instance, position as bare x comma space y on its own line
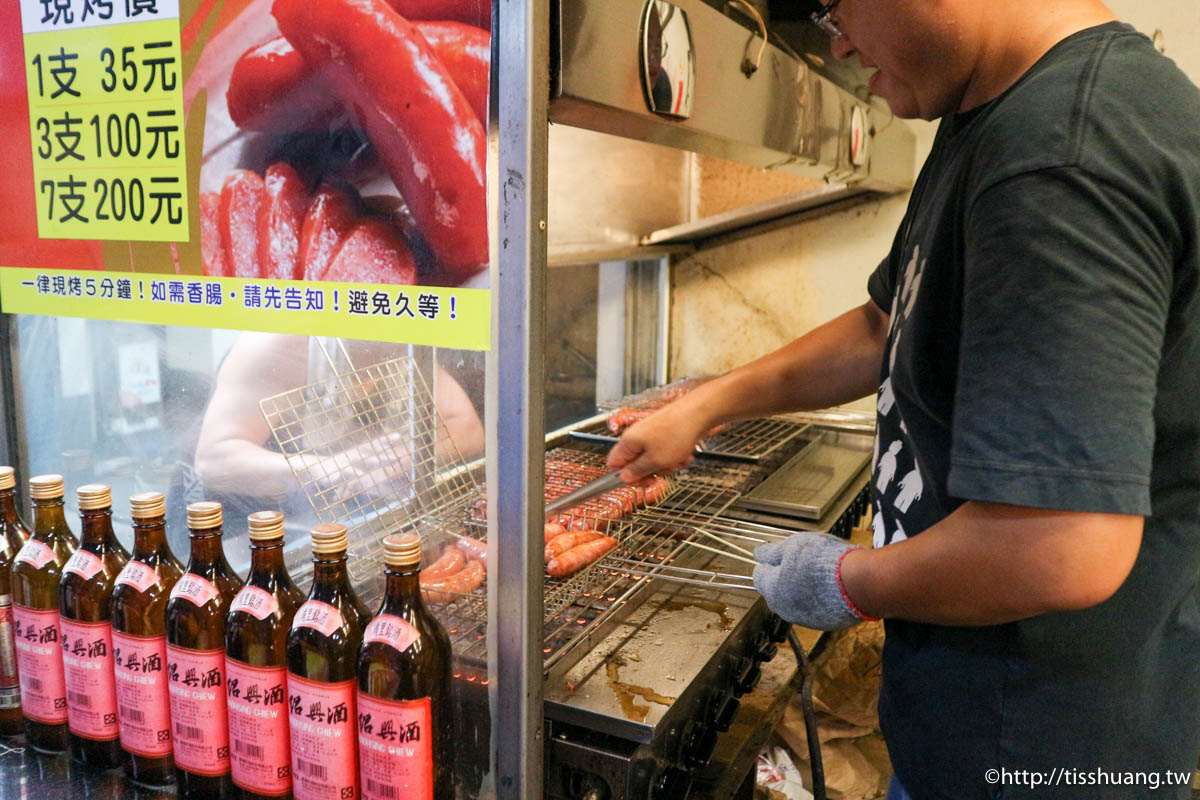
1045, 351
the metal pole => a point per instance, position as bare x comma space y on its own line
517, 146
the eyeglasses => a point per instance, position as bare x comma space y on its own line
823, 19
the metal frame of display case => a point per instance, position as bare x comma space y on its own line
518, 136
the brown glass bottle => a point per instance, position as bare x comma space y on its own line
322, 655
85, 617
13, 535
404, 688
35, 575
140, 644
196, 660
256, 665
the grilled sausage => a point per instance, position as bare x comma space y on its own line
419, 122
561, 544
580, 556
451, 561
553, 529
445, 589
473, 549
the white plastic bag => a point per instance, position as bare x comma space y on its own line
776, 771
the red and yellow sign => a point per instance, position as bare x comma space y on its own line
181, 162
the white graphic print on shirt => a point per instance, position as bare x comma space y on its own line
894, 498
887, 467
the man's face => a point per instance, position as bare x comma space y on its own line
918, 50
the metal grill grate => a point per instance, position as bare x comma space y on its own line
370, 451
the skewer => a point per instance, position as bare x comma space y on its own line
728, 544
725, 553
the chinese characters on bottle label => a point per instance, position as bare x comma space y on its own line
143, 710
39, 661
87, 653
196, 680
260, 755
395, 748
322, 719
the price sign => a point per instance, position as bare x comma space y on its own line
105, 87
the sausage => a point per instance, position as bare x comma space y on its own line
553, 529
286, 198
417, 120
330, 217
561, 544
444, 589
211, 250
242, 205
375, 251
473, 549
272, 87
580, 556
451, 560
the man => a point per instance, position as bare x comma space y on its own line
1034, 337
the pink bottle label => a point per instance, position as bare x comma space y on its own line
83, 564
393, 630
143, 710
321, 617
395, 748
199, 719
195, 588
254, 601
260, 755
39, 661
10, 685
87, 653
324, 766
138, 575
36, 553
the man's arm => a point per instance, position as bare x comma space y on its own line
832, 364
988, 563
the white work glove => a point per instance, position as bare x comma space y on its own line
800, 578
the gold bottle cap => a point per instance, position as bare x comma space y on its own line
204, 515
94, 497
402, 550
329, 537
265, 525
46, 487
147, 505
8, 478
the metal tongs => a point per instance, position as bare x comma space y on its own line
586, 492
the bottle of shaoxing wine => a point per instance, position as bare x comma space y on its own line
139, 605
13, 536
35, 574
256, 665
322, 655
85, 618
196, 660
404, 688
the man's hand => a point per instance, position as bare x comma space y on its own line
801, 582
661, 443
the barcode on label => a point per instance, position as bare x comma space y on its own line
247, 749
382, 789
80, 699
33, 683
309, 768
132, 714
188, 732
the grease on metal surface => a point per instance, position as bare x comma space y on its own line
720, 609
628, 694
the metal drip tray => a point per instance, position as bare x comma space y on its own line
807, 485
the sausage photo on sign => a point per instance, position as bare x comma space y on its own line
314, 169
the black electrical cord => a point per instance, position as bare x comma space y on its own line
810, 716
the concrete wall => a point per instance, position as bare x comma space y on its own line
736, 301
